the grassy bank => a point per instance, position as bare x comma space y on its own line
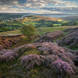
43, 30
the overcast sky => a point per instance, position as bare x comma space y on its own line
39, 6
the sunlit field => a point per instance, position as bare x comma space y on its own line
43, 30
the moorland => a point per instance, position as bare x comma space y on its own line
36, 46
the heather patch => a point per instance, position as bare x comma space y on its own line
36, 59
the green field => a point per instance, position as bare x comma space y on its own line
41, 30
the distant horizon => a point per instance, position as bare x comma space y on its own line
46, 15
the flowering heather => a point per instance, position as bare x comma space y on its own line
62, 66
1, 47
29, 61
20, 50
52, 62
54, 49
70, 40
32, 60
50, 36
8, 56
51, 58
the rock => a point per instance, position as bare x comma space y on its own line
50, 36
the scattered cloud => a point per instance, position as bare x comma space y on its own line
40, 6
22, 10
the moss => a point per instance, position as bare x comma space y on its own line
32, 51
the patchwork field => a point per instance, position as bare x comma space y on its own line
41, 30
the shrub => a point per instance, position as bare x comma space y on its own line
53, 61
63, 68
29, 31
32, 60
7, 56
52, 64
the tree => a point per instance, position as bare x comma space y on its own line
29, 31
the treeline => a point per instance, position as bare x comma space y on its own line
9, 26
4, 27
7, 16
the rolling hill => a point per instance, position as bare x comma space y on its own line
72, 18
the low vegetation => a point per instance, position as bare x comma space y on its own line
38, 47
29, 31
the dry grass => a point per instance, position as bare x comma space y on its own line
10, 33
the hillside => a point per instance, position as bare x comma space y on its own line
40, 21
25, 54
38, 38
37, 21
10, 16
73, 18
38, 18
34, 59
43, 21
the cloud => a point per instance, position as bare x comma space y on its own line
10, 9
8, 2
40, 6
53, 3
38, 3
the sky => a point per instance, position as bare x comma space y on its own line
39, 6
